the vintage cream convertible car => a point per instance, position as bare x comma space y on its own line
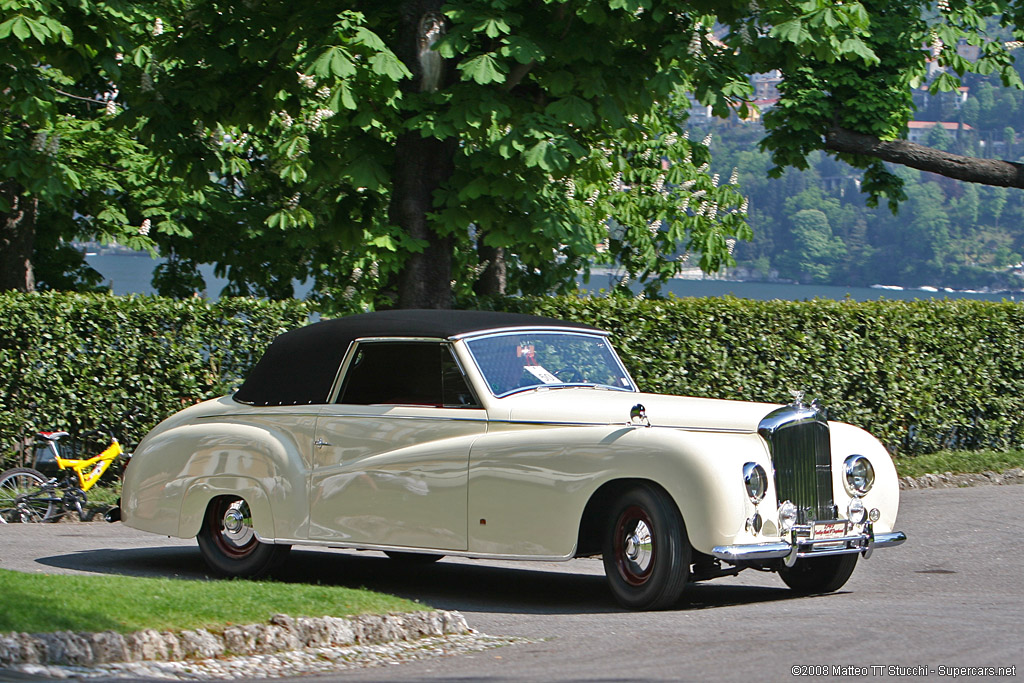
496, 435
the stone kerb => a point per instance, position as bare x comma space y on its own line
283, 633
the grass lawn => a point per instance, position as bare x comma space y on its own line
959, 462
37, 603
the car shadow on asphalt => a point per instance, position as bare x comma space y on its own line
443, 585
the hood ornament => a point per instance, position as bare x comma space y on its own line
798, 401
638, 415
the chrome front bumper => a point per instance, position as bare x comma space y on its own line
801, 546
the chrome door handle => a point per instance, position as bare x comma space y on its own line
320, 443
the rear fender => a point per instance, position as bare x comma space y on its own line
199, 494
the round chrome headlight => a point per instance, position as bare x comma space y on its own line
859, 475
756, 481
787, 516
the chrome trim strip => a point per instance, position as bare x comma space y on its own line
770, 551
444, 418
408, 549
529, 328
535, 423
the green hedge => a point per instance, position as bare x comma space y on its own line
81, 362
922, 376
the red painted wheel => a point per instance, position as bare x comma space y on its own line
229, 544
646, 551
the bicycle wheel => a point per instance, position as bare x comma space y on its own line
22, 498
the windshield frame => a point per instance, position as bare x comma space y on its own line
596, 335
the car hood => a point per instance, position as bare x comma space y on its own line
586, 405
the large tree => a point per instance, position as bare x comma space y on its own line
421, 149
64, 169
858, 111
426, 143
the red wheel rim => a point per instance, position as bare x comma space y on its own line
232, 526
635, 552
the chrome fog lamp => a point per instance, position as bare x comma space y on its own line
756, 481
875, 514
859, 475
856, 512
787, 516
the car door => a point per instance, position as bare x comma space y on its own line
391, 459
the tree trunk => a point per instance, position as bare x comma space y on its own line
17, 239
494, 278
906, 153
422, 165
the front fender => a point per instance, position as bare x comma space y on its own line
529, 487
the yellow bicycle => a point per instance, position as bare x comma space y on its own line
28, 495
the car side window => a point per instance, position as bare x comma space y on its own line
405, 373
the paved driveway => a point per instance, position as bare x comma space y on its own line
952, 596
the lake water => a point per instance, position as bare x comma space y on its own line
132, 274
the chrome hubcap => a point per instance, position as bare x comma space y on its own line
639, 547
237, 527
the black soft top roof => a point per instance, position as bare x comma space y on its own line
300, 366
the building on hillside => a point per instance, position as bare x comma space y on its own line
917, 131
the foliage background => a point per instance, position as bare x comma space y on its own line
79, 362
922, 376
814, 226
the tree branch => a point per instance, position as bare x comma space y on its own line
970, 169
518, 73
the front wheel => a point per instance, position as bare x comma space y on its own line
22, 499
228, 541
819, 574
646, 551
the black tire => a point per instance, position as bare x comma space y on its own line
229, 545
645, 549
819, 574
18, 481
412, 558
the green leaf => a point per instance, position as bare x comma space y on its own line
342, 97
522, 49
387, 64
18, 26
572, 109
546, 156
365, 36
483, 69
367, 172
791, 31
333, 61
492, 27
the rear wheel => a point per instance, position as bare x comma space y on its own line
21, 499
228, 541
819, 574
646, 552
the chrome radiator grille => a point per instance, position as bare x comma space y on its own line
798, 439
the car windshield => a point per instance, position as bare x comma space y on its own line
516, 361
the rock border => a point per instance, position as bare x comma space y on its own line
949, 480
281, 634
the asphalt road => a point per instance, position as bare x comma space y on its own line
952, 596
